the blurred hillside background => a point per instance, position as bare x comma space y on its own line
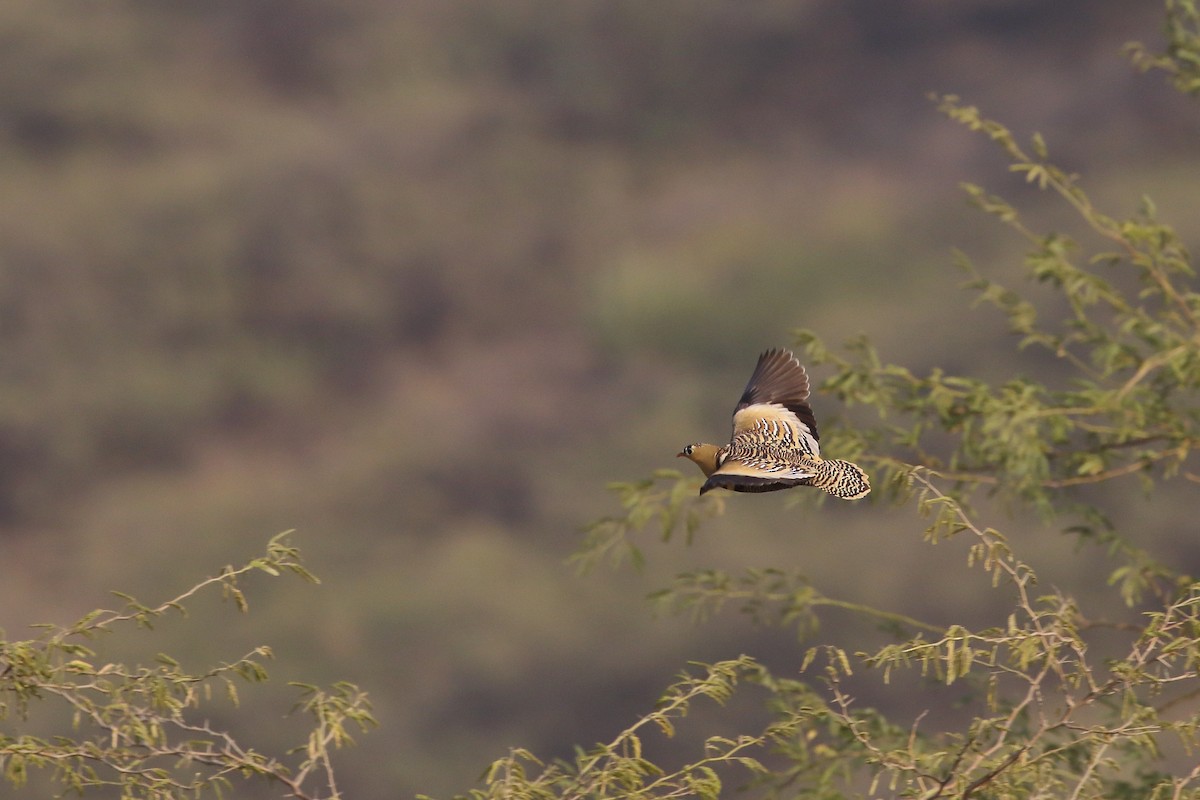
417, 279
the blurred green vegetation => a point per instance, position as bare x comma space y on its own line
418, 278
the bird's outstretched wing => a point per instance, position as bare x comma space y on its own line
774, 409
774, 443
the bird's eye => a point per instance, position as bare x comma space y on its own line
688, 450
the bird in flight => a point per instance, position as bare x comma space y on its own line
774, 444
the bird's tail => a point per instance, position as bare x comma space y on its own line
843, 479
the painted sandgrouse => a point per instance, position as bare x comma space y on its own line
774, 444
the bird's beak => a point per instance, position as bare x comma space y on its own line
679, 455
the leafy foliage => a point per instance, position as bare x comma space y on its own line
1130, 406
619, 768
1181, 60
666, 498
142, 729
1059, 702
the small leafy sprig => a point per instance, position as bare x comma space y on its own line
140, 729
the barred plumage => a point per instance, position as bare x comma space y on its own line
775, 441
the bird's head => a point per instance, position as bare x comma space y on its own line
702, 454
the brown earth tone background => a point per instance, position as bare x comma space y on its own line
418, 279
